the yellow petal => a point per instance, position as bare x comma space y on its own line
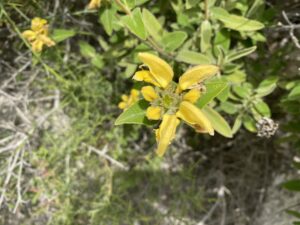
192, 96
159, 69
94, 4
47, 41
37, 46
37, 24
153, 113
166, 133
124, 98
149, 93
122, 105
196, 75
145, 75
193, 116
134, 93
29, 35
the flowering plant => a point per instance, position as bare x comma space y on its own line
169, 101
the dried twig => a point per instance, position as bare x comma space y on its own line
292, 27
103, 154
220, 201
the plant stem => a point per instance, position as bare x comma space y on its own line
206, 9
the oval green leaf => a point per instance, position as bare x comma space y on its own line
62, 34
206, 34
235, 22
173, 40
239, 53
218, 122
152, 25
135, 114
135, 24
193, 57
213, 89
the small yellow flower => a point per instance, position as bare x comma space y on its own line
94, 4
170, 101
129, 100
38, 35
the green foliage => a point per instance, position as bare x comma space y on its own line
60, 35
235, 22
213, 89
135, 114
218, 122
91, 66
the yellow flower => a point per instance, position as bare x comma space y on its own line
170, 101
38, 35
129, 100
39, 25
94, 4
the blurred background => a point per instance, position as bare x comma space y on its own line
62, 160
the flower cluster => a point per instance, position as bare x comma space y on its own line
129, 100
38, 35
170, 101
266, 127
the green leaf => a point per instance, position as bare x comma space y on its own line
192, 57
218, 122
295, 93
173, 40
237, 124
62, 34
239, 53
238, 76
255, 7
293, 213
191, 3
262, 108
224, 95
98, 61
135, 114
133, 3
222, 38
241, 91
213, 89
206, 34
249, 123
228, 107
292, 185
267, 86
152, 25
130, 69
86, 49
134, 23
107, 18
235, 22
